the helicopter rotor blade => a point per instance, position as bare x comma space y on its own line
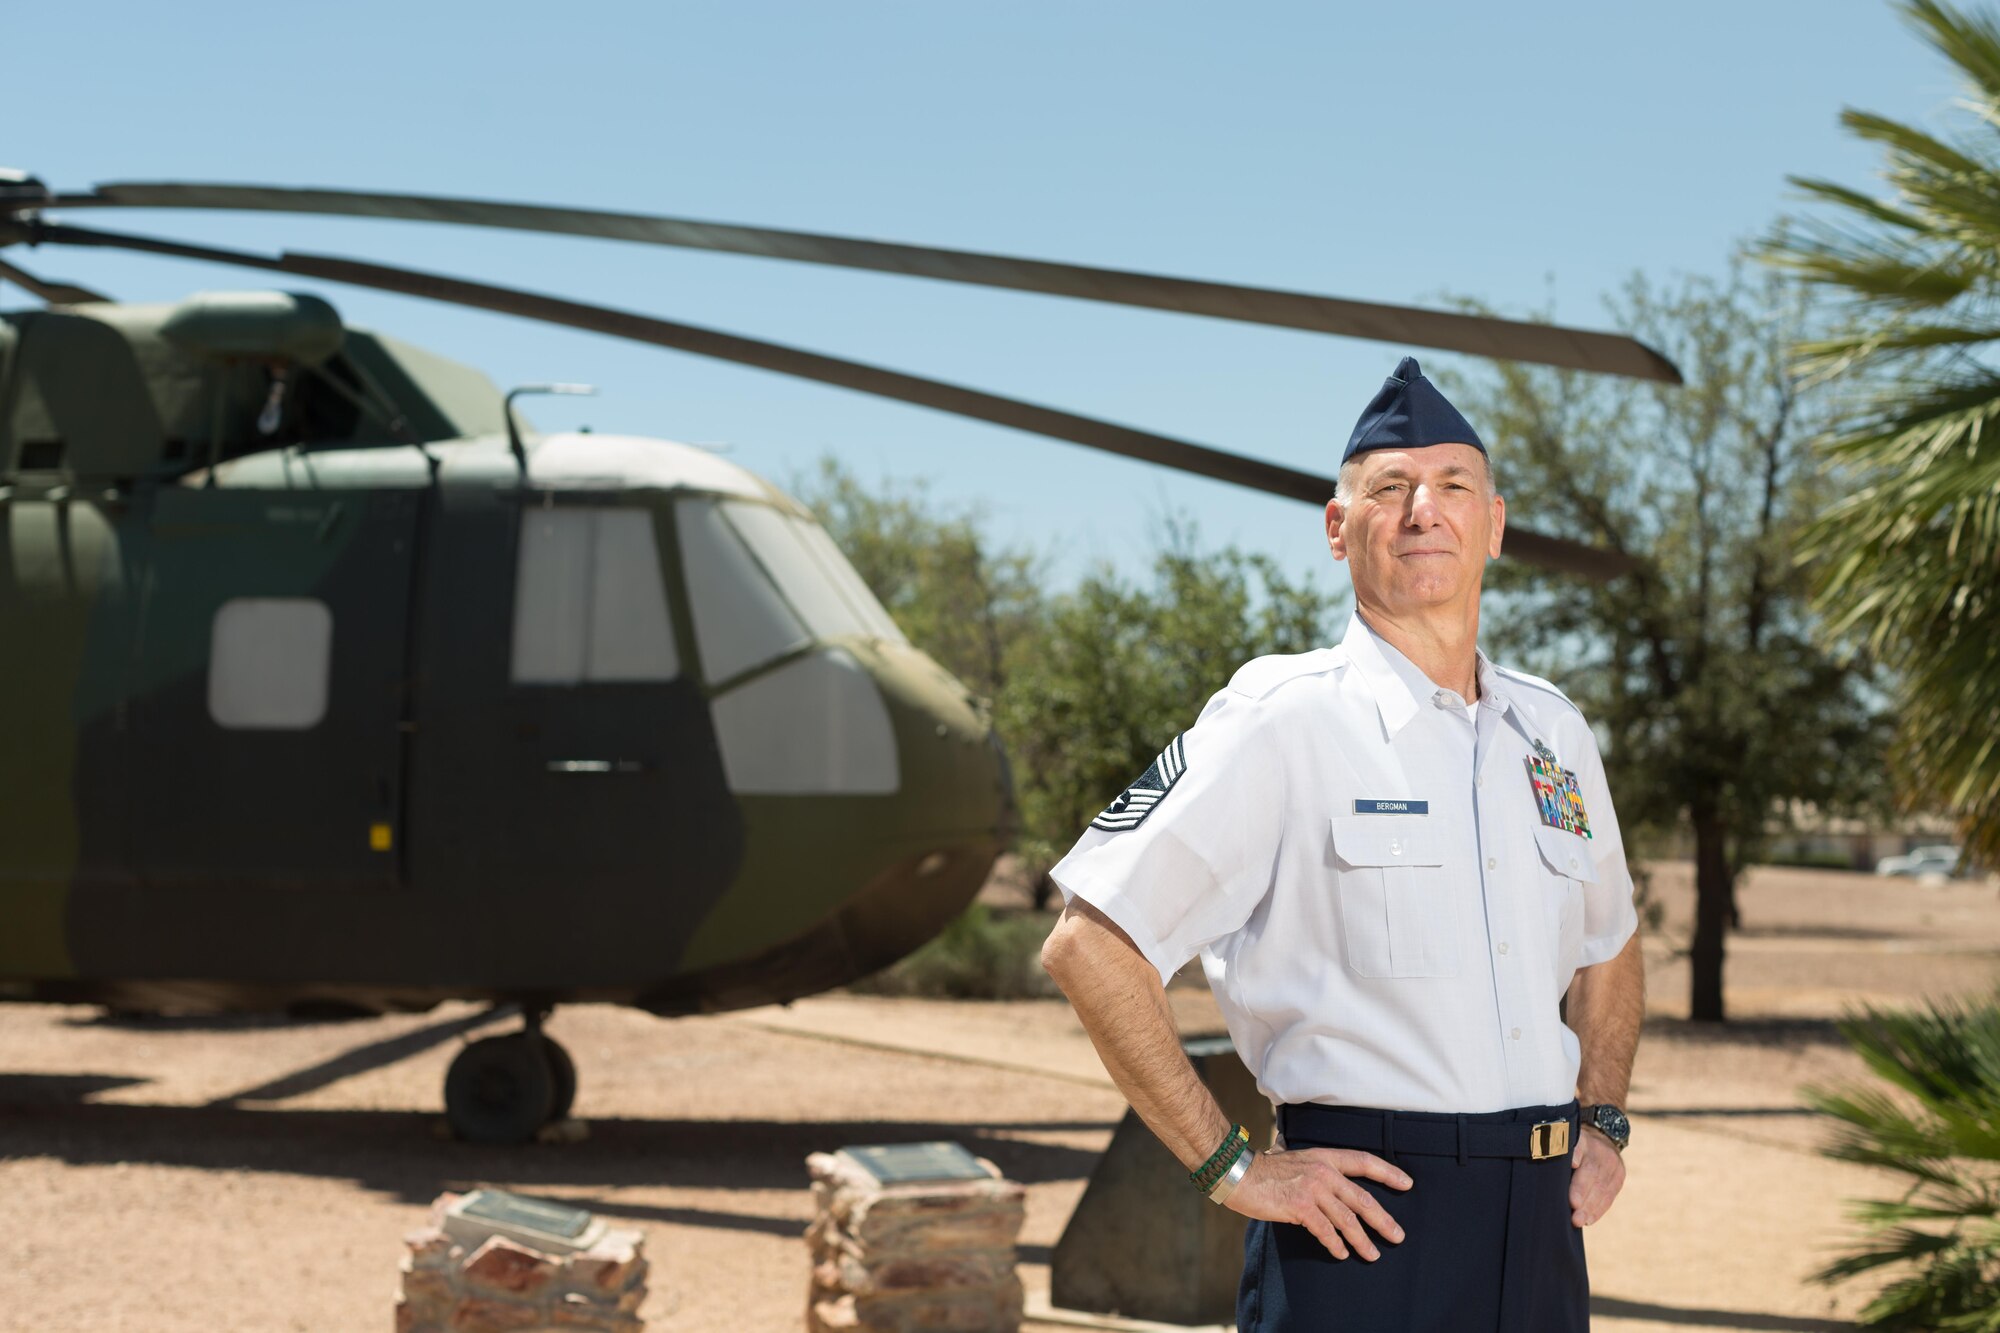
1533, 548
1480, 335
55, 293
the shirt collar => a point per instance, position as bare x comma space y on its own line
1399, 685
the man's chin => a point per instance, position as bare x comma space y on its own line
1427, 591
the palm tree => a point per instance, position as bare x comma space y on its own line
1937, 1126
1911, 558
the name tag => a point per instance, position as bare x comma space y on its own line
1392, 807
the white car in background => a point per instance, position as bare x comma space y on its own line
1920, 861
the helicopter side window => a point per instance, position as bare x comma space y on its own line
810, 573
814, 725
740, 620
268, 662
590, 603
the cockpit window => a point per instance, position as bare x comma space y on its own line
589, 601
816, 579
740, 620
763, 583
859, 596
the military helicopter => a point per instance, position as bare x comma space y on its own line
332, 685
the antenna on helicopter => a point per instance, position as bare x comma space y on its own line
514, 426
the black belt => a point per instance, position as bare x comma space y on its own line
1536, 1132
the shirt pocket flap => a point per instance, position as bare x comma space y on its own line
1386, 840
1566, 853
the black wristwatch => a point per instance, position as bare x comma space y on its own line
1609, 1121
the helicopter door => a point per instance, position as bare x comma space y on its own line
611, 736
266, 727
566, 758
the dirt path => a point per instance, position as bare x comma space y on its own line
201, 1176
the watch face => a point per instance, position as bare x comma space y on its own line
1614, 1124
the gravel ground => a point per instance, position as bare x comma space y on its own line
211, 1175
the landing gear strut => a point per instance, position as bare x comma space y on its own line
504, 1089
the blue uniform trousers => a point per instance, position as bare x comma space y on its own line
1489, 1246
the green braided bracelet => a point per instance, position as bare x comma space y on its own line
1209, 1173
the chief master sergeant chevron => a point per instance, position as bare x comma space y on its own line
1394, 859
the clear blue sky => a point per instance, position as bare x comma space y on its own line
1517, 153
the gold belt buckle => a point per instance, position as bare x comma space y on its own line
1548, 1139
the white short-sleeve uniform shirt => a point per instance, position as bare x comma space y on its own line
1389, 891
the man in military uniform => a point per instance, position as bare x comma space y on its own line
1395, 861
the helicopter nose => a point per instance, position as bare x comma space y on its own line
954, 810
954, 780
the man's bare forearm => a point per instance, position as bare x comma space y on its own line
1606, 1004
1118, 997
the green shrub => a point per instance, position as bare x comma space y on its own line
983, 955
1936, 1125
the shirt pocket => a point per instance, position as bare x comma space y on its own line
1396, 908
1568, 868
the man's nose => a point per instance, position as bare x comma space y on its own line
1423, 510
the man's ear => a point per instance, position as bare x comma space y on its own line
1499, 526
1334, 541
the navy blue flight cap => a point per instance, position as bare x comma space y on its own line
1408, 412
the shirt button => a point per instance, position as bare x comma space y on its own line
1396, 849
1515, 1034
1503, 946
1572, 863
1479, 781
1492, 864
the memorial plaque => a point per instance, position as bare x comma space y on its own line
554, 1228
519, 1212
909, 1163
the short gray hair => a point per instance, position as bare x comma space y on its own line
1343, 482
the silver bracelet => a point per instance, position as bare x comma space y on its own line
1232, 1178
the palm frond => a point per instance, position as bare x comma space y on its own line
1934, 1119
1867, 205
1887, 1212
1969, 41
1899, 1246
1911, 149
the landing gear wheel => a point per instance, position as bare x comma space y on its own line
501, 1089
564, 1070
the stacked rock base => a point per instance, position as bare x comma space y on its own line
503, 1286
936, 1256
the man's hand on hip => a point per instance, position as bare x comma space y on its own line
1315, 1187
1599, 1174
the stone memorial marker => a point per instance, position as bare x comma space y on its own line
915, 1236
490, 1261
